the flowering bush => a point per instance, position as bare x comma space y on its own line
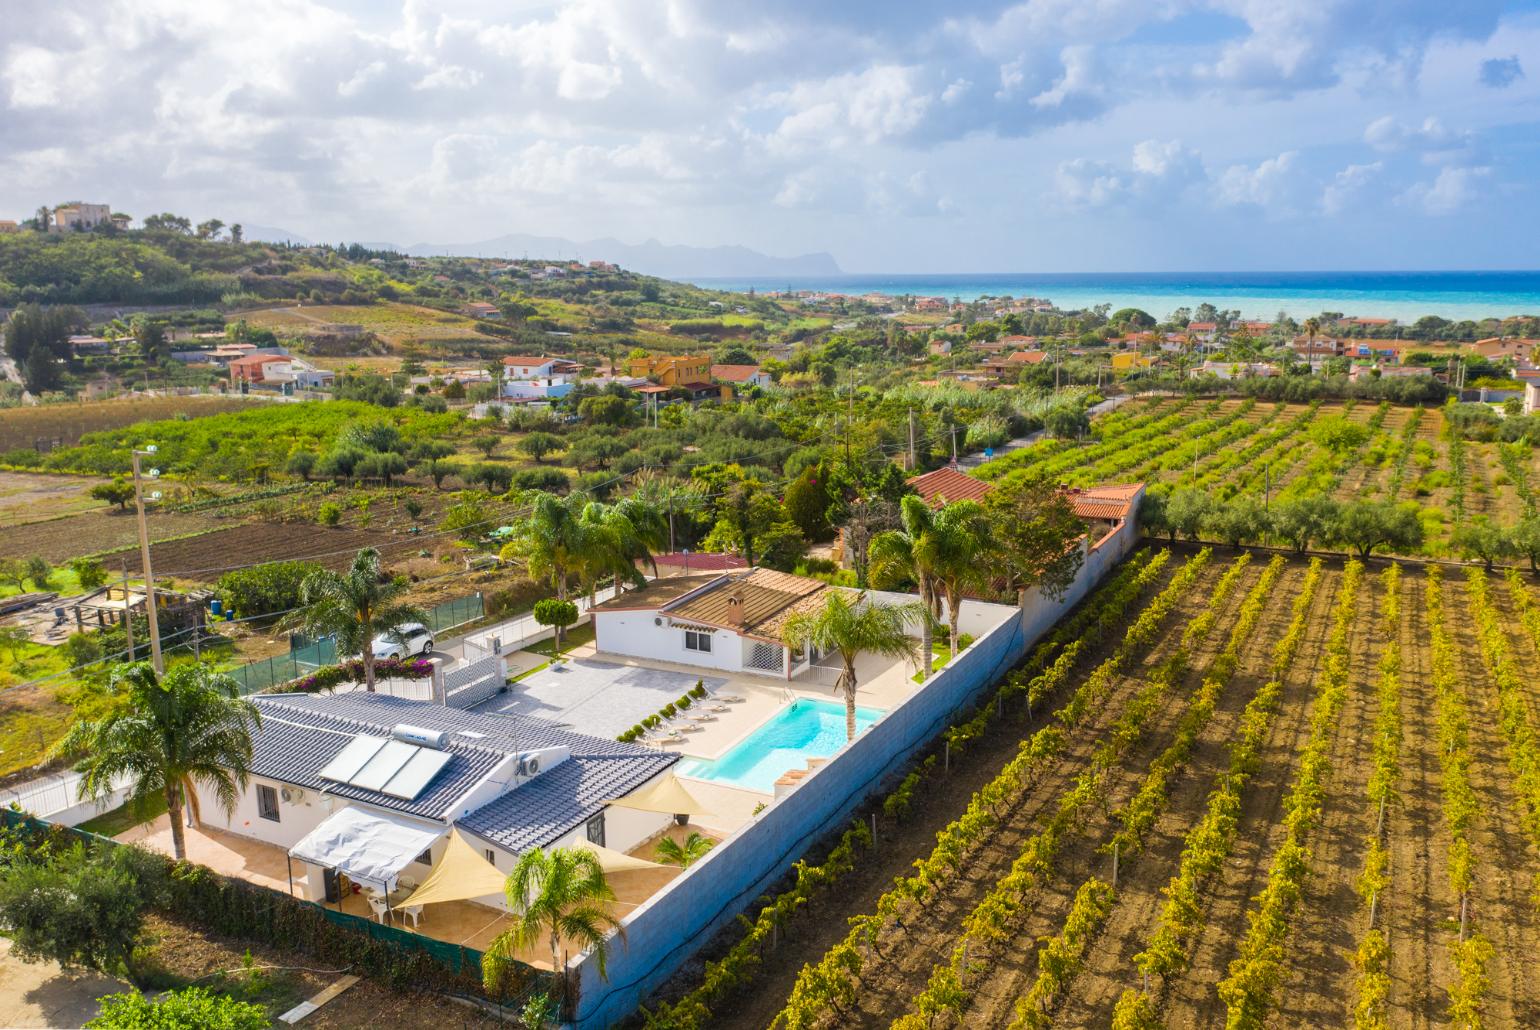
331, 676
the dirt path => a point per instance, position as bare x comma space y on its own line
1505, 866
1328, 920
1193, 999
1418, 846
1109, 966
821, 926
1012, 973
906, 956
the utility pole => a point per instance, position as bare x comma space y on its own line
912, 462
144, 558
954, 446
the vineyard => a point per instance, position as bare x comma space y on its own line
62, 425
1230, 789
1282, 451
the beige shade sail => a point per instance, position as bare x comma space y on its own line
612, 861
666, 795
461, 875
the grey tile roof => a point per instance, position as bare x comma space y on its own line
301, 733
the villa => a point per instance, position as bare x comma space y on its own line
729, 621
371, 786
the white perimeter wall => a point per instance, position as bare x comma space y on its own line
663, 933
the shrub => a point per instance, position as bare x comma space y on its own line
265, 589
683, 702
669, 711
89, 572
699, 690
352, 671
196, 1008
329, 514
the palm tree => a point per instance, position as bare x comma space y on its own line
852, 627
612, 538
694, 848
955, 551
556, 896
352, 606
170, 733
895, 557
546, 544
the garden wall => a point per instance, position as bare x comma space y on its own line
662, 934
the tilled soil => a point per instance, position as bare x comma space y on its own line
899, 844
1192, 999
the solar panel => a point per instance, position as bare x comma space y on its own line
352, 758
385, 764
416, 774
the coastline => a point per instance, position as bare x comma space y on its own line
1405, 296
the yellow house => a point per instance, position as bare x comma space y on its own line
674, 370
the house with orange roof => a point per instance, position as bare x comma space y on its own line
741, 376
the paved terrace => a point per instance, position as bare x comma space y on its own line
456, 922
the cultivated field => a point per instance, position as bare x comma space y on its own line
1273, 451
1259, 792
394, 323
29, 497
206, 557
60, 425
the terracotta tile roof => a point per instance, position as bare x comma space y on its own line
657, 593
1029, 357
702, 561
525, 359
1106, 502
948, 484
766, 596
734, 373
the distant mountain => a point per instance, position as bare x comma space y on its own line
668, 261
268, 234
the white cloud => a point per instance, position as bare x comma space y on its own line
1158, 175
1272, 185
1452, 190
1348, 185
1432, 140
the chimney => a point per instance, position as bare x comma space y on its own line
735, 611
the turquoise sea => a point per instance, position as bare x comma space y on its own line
1405, 296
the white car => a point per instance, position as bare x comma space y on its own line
404, 641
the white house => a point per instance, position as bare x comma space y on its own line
329, 771
538, 378
731, 621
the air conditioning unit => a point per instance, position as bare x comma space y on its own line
529, 765
292, 795
657, 620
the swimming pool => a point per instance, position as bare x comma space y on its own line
804, 729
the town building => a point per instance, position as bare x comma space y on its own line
538, 378
72, 217
482, 309
741, 376
1495, 347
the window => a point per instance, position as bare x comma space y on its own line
697, 640
267, 802
491, 856
596, 830
426, 858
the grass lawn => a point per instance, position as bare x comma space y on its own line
576, 637
123, 818
63, 582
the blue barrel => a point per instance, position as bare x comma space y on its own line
216, 607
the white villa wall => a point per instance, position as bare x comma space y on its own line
665, 931
638, 635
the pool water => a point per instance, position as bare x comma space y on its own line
804, 729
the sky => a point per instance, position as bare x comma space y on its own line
1050, 135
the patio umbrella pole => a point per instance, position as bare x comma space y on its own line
288, 860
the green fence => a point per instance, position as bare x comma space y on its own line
306, 656
237, 908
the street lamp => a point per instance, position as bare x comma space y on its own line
144, 559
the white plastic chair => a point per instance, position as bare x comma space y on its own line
377, 904
412, 912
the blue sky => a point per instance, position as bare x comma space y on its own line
1051, 135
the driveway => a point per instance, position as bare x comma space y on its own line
44, 995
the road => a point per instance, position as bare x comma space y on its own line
972, 461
